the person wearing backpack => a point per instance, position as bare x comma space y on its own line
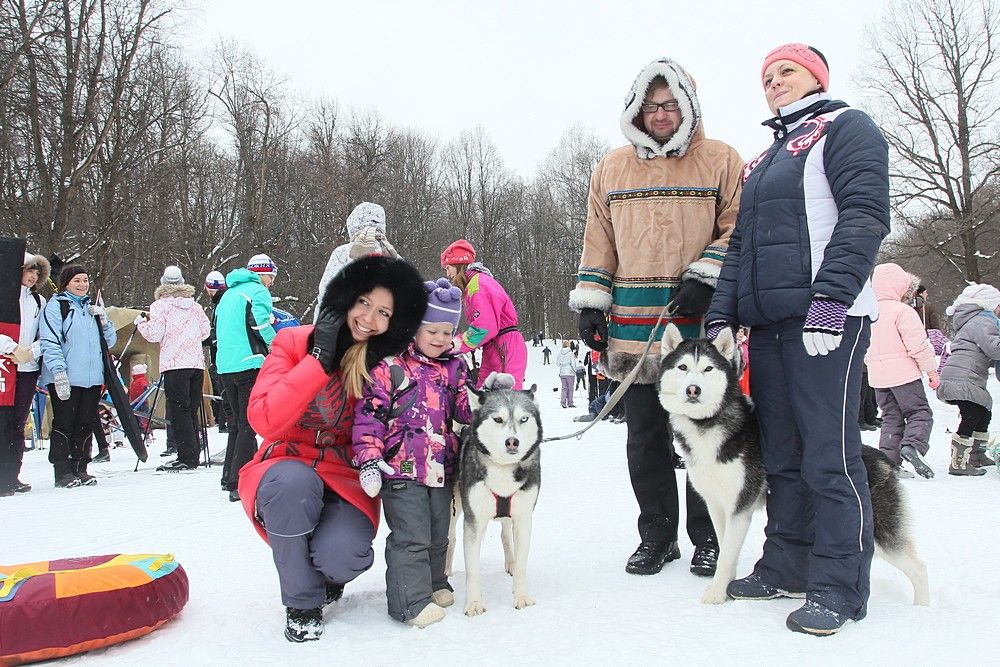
403, 432
73, 371
26, 351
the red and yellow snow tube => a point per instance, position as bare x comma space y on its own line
61, 607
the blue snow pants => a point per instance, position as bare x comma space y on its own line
819, 516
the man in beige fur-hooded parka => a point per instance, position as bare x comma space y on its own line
659, 217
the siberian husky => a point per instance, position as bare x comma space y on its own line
498, 478
716, 428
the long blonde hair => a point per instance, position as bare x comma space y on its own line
355, 369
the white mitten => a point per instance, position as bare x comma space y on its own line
496, 381
370, 475
7, 344
61, 381
364, 244
96, 311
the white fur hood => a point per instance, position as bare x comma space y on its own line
683, 89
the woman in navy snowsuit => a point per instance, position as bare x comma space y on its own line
815, 204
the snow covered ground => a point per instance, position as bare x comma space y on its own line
589, 610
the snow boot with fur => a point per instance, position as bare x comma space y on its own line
978, 457
961, 448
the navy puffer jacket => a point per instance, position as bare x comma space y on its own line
814, 210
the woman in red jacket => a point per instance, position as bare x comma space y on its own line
300, 490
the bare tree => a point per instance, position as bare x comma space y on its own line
932, 68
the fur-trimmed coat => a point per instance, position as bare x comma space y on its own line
305, 414
656, 214
179, 324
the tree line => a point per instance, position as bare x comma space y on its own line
118, 152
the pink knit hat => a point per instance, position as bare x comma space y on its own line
804, 55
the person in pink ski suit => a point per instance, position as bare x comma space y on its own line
489, 313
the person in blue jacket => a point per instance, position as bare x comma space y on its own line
243, 331
816, 204
73, 371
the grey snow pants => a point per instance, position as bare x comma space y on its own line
415, 550
906, 419
315, 535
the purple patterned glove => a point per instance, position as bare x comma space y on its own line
824, 326
713, 328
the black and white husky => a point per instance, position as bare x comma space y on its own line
498, 478
716, 428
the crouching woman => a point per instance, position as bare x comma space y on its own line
300, 490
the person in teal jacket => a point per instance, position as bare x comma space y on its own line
73, 371
243, 333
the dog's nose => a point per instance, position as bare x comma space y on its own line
512, 444
693, 391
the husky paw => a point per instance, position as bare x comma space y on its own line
509, 566
522, 601
474, 608
714, 595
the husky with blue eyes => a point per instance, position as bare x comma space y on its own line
499, 478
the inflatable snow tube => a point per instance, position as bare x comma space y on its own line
61, 607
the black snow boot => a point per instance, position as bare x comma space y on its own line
103, 456
303, 625
80, 470
650, 557
704, 560
913, 457
333, 593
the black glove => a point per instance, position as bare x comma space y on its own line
324, 338
692, 299
594, 329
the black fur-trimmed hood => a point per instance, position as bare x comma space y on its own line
409, 300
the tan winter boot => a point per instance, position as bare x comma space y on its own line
980, 443
960, 450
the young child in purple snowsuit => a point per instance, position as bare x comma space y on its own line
402, 433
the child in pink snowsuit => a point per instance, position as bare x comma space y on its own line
489, 313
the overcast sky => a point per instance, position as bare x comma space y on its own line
528, 70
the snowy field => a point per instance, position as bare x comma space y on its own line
589, 611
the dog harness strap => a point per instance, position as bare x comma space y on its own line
503, 506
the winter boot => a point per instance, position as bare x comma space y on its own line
650, 557
704, 559
961, 448
333, 593
21, 487
428, 615
912, 456
978, 457
443, 598
67, 481
303, 625
814, 619
103, 456
80, 470
753, 587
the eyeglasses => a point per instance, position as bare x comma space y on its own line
651, 107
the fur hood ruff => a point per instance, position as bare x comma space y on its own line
683, 88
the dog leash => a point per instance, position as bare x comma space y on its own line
620, 391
